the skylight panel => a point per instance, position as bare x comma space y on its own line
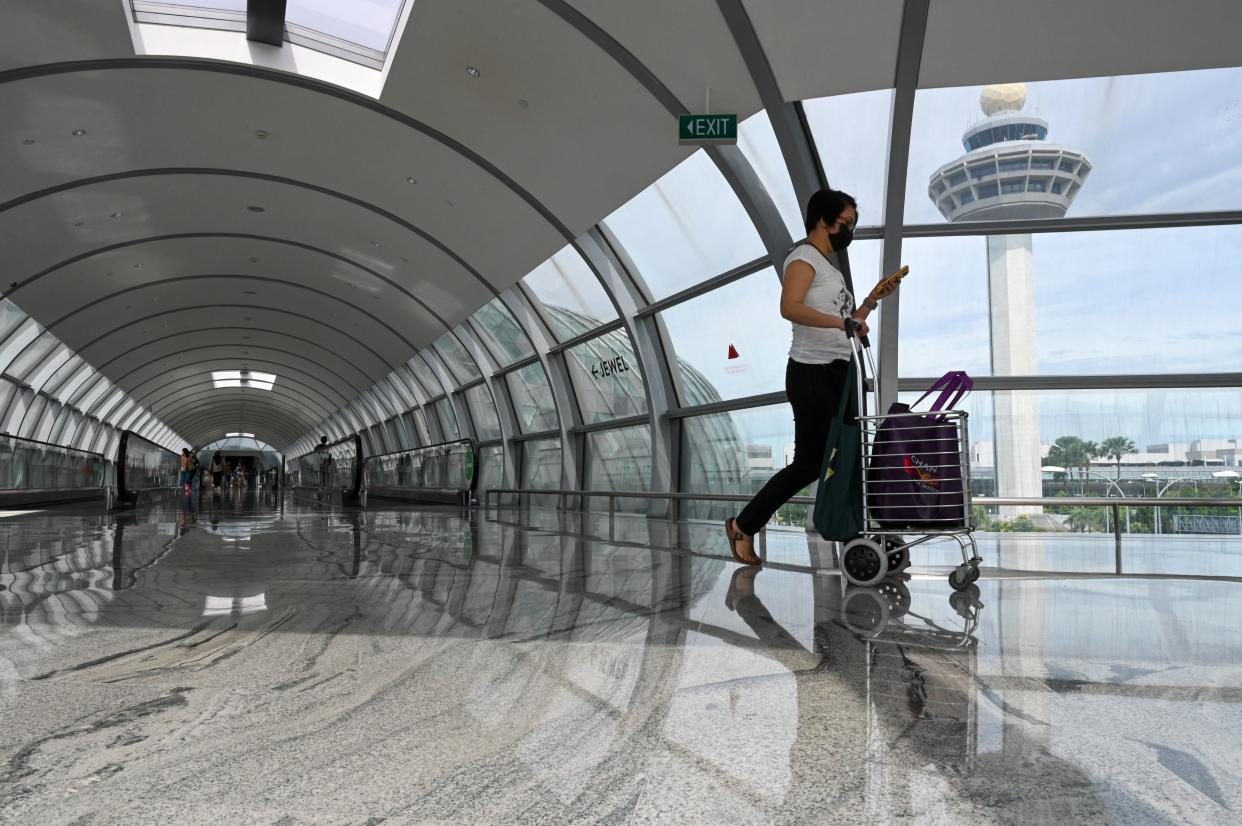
243, 378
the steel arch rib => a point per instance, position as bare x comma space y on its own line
305, 83
284, 402
234, 235
154, 172
232, 276
251, 307
157, 360
312, 392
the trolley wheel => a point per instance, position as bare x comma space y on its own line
896, 594
864, 612
966, 601
963, 576
864, 561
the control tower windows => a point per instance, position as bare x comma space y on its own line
1014, 164
1068, 165
1037, 185
982, 171
965, 197
1038, 162
988, 190
1006, 132
1013, 185
957, 178
1057, 187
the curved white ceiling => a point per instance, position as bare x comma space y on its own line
275, 222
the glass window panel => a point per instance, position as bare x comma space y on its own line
758, 143
532, 399
607, 381
368, 23
737, 453
541, 464
851, 135
1103, 302
64, 381
1133, 129
431, 384
573, 297
10, 317
30, 420
499, 331
1183, 433
483, 412
448, 420
458, 361
432, 422
105, 409
12, 348
685, 228
619, 460
491, 468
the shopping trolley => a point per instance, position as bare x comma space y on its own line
909, 496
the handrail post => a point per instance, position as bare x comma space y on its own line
612, 517
1117, 533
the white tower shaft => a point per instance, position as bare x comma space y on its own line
1011, 302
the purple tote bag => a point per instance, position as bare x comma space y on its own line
915, 478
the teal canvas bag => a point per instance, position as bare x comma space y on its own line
838, 514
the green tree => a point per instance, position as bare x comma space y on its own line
1073, 453
1116, 447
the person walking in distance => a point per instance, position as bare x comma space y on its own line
217, 470
814, 298
187, 469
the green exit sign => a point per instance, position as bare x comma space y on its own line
707, 128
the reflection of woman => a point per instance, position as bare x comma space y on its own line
814, 298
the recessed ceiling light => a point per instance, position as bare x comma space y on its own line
376, 244
450, 203
473, 72
117, 214
254, 260
256, 209
77, 133
261, 134
249, 292
137, 266
28, 142
78, 223
522, 104
410, 180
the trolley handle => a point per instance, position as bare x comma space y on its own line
851, 331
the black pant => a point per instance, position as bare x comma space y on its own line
814, 392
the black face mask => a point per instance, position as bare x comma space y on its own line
842, 238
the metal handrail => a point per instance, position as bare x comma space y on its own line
52, 444
1115, 503
467, 441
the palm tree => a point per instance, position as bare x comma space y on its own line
1071, 452
1116, 447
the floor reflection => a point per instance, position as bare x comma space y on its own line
333, 665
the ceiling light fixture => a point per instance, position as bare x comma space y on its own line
256, 209
77, 133
522, 104
249, 292
254, 260
28, 142
261, 134
410, 180
137, 266
473, 72
117, 214
376, 244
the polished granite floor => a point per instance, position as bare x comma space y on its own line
249, 659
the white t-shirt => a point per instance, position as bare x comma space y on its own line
828, 294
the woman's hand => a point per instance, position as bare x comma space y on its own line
884, 289
860, 327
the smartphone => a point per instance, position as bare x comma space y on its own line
895, 277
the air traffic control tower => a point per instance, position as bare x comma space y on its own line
1010, 171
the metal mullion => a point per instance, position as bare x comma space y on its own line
612, 424
589, 335
1160, 220
763, 400
1101, 382
909, 61
704, 287
516, 366
625, 286
536, 435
